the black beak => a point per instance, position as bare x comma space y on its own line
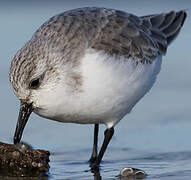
25, 111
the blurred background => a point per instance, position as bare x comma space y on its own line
160, 122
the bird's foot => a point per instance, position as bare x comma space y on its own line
94, 168
94, 163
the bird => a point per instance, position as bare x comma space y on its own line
91, 65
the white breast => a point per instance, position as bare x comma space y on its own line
110, 88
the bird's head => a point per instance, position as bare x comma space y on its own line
34, 77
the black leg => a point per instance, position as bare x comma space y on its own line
94, 152
108, 135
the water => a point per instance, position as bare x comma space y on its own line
155, 137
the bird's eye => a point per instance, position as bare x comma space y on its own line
34, 84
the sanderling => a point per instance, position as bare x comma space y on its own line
91, 66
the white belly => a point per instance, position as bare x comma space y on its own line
110, 89
113, 86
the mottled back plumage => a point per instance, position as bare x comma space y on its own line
115, 32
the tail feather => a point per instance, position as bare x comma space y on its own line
176, 24
169, 17
157, 20
165, 27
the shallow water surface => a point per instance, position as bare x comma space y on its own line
155, 137
155, 155
167, 165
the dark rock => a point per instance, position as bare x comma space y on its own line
22, 160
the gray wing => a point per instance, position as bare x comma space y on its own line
113, 31
141, 38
